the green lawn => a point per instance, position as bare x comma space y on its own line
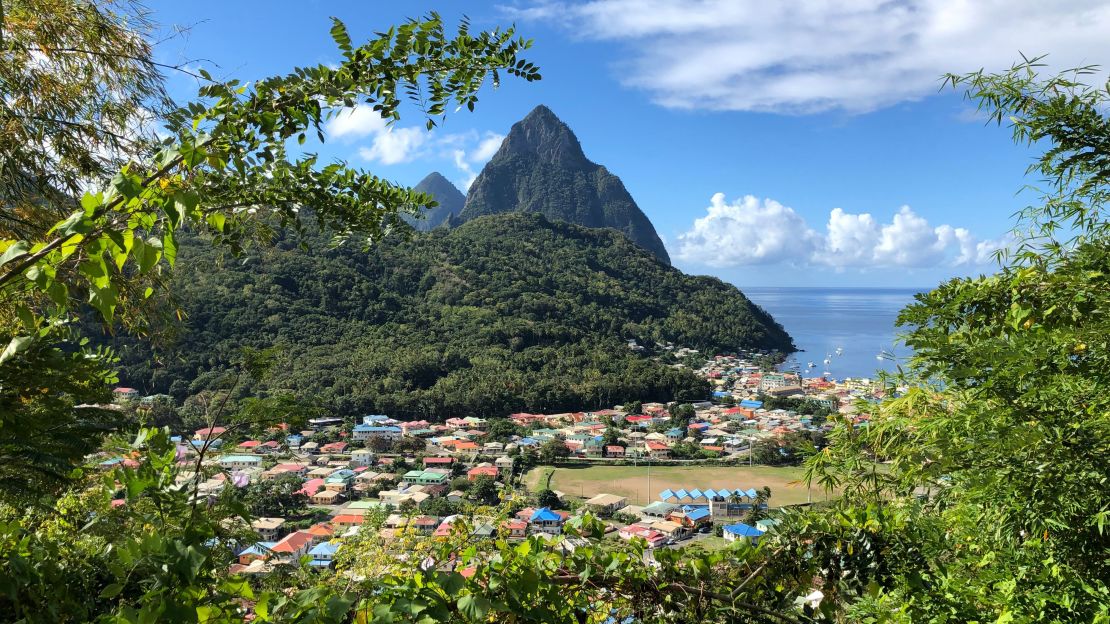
642, 484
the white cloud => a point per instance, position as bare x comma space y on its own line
391, 145
356, 122
751, 231
395, 145
802, 57
466, 160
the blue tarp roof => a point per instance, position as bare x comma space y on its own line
665, 494
743, 530
721, 393
751, 404
680, 493
544, 514
324, 548
697, 513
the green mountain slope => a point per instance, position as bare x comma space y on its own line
540, 167
504, 313
450, 202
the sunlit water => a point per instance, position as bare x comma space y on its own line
859, 321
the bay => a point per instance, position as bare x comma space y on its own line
859, 322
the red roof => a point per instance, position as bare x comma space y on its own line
311, 486
270, 444
656, 446
614, 449
293, 542
214, 431
438, 460
477, 471
249, 444
348, 519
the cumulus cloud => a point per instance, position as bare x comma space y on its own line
803, 57
752, 231
391, 145
748, 231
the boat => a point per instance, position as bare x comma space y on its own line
811, 365
840, 350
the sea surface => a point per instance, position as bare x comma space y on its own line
858, 321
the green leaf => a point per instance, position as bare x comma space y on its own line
111, 591
18, 345
473, 607
15, 250
340, 35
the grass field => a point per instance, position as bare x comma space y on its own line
633, 481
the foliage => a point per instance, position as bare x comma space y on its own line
1003, 430
279, 497
502, 314
553, 450
483, 489
549, 499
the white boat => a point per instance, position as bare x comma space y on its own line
840, 350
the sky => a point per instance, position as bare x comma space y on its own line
771, 143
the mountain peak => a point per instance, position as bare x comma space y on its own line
541, 168
542, 133
448, 196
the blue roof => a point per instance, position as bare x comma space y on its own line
743, 530
697, 513
680, 493
721, 393
674, 432
320, 563
527, 442
544, 514
377, 429
695, 493
665, 494
751, 404
324, 548
375, 418
710, 493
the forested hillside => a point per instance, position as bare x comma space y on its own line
506, 312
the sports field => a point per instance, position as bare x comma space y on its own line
642, 484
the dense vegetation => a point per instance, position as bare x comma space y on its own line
504, 313
541, 168
993, 505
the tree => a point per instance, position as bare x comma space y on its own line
634, 407
682, 415
502, 430
81, 228
553, 450
547, 498
278, 497
1003, 427
484, 490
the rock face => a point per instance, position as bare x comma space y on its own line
450, 202
540, 167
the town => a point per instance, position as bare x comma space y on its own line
341, 478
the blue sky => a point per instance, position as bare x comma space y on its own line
769, 143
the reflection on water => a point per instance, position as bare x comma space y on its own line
858, 321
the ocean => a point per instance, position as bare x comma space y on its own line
857, 321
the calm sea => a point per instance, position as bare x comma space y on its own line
857, 321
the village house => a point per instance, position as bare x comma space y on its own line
362, 457
323, 554
240, 462
293, 545
482, 470
739, 531
269, 529
606, 504
362, 433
